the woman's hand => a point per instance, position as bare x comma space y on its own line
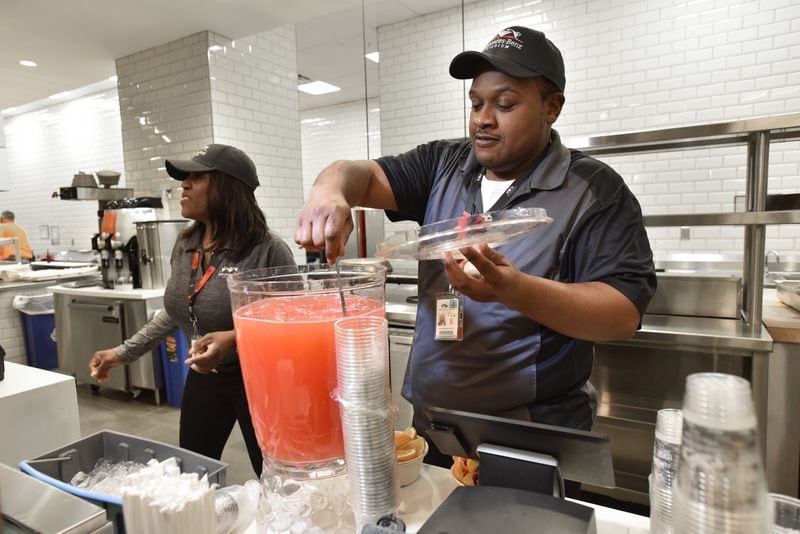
208, 351
101, 363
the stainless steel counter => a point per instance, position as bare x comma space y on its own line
89, 319
637, 377
670, 330
21, 287
41, 508
101, 292
701, 332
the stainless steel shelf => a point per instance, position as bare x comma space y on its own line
724, 219
700, 332
95, 193
781, 127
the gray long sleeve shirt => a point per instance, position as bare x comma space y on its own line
212, 305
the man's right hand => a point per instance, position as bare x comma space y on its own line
324, 222
326, 219
101, 363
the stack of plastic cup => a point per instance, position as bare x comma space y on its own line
720, 486
666, 453
362, 362
786, 514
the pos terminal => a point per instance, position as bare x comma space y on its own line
522, 469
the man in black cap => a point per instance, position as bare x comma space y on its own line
532, 308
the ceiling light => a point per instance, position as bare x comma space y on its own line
318, 88
27, 63
62, 94
9, 110
112, 78
373, 56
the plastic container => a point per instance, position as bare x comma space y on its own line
57, 467
174, 351
720, 486
666, 453
38, 329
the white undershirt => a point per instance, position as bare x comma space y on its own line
491, 190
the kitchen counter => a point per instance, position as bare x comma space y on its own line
39, 412
420, 499
781, 321
20, 286
97, 291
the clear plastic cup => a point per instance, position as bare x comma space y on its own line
785, 514
666, 453
720, 486
362, 361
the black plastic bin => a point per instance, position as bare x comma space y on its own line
59, 466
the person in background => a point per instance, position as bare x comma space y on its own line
229, 235
534, 307
9, 228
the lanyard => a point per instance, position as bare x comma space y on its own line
194, 289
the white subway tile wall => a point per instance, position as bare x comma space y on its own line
165, 104
46, 148
338, 132
254, 106
630, 65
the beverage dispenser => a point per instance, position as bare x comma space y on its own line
284, 320
118, 246
156, 240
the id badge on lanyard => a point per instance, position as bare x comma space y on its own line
449, 316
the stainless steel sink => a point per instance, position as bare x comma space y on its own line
771, 278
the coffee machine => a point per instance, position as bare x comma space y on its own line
117, 242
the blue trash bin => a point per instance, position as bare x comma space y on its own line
38, 329
40, 346
174, 351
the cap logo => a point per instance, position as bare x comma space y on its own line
507, 38
202, 151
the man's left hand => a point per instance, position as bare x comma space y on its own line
495, 277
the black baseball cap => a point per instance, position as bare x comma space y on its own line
517, 51
214, 157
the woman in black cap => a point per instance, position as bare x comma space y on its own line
229, 235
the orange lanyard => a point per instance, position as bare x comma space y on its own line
195, 288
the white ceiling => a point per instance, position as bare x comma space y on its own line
75, 42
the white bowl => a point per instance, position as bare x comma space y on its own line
408, 472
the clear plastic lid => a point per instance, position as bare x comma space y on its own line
431, 241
